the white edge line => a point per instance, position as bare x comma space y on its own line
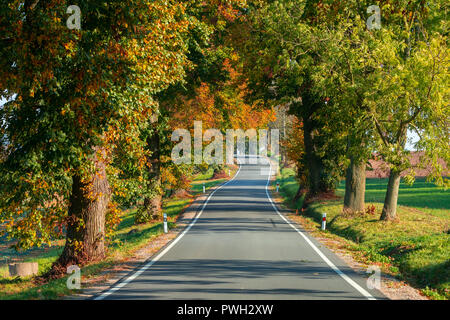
331, 264
162, 253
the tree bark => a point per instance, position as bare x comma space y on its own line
355, 187
389, 212
85, 239
313, 162
153, 202
301, 190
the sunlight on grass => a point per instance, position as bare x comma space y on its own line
416, 249
127, 239
422, 195
289, 187
204, 176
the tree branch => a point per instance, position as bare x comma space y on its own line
380, 131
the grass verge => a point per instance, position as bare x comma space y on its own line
416, 249
126, 240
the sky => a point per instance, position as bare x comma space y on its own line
414, 138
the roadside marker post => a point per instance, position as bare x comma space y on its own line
165, 223
324, 221
278, 186
204, 190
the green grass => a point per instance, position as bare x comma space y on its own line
415, 249
200, 179
127, 239
121, 244
129, 236
204, 176
424, 196
289, 187
44, 257
197, 187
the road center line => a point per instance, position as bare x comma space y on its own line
331, 264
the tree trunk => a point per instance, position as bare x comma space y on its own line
85, 239
301, 189
390, 202
298, 194
313, 162
355, 187
153, 203
153, 206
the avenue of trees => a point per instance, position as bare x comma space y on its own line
89, 113
356, 91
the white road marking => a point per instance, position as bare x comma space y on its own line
162, 253
331, 264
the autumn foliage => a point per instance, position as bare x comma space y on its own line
82, 106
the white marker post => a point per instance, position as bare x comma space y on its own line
204, 190
278, 186
324, 221
165, 223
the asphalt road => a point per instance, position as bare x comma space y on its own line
240, 247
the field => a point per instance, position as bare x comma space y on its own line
422, 195
415, 249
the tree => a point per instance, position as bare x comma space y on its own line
280, 54
294, 146
208, 93
342, 74
199, 41
77, 92
379, 84
410, 91
384, 83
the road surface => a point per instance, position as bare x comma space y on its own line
240, 247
